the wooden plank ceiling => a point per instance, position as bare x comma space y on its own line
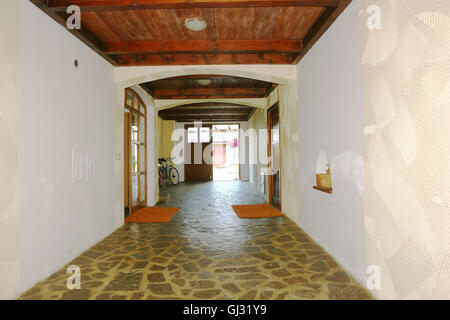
152, 32
208, 87
208, 111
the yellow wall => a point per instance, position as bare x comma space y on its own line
165, 143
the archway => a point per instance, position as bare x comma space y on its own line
284, 76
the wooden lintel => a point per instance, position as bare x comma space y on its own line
106, 5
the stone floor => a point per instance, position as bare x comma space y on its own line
205, 252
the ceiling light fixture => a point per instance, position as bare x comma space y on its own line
204, 82
195, 24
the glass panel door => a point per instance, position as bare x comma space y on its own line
137, 141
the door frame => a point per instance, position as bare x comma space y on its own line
190, 145
269, 151
126, 164
131, 109
239, 142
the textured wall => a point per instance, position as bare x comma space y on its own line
406, 77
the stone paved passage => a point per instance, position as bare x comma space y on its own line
205, 252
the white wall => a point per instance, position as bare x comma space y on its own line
9, 147
331, 119
63, 109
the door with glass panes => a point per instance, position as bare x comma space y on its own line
135, 150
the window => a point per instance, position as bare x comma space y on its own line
192, 135
129, 99
204, 135
134, 127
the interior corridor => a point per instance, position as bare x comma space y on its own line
205, 252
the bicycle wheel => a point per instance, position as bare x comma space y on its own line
174, 176
161, 178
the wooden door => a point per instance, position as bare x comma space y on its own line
135, 157
126, 163
273, 123
198, 139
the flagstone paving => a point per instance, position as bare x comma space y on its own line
205, 252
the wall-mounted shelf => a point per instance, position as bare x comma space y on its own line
330, 191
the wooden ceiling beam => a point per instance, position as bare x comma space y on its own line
211, 96
86, 36
205, 117
195, 52
200, 76
249, 96
205, 114
209, 91
205, 111
212, 104
99, 5
195, 46
205, 59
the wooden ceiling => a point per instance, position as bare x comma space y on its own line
152, 32
208, 87
210, 111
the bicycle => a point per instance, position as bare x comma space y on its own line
167, 172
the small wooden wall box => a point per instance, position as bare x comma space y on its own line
323, 180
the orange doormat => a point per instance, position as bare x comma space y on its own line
152, 214
254, 211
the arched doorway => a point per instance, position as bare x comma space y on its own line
285, 77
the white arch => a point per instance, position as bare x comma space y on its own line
130, 76
284, 75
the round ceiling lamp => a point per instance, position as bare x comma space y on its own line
195, 24
204, 82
